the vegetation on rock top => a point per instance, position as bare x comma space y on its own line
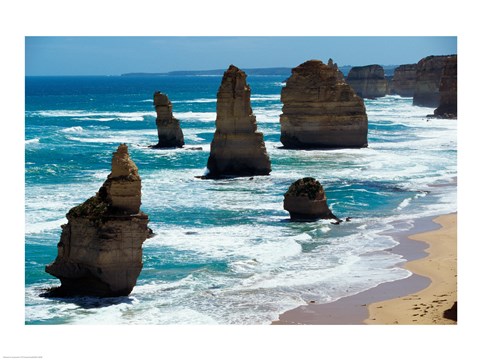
92, 208
307, 186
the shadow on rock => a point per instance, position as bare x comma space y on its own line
86, 302
451, 313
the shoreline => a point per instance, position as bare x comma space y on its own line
436, 304
355, 309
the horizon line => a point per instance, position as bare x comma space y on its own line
196, 70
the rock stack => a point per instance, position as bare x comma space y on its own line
168, 127
331, 64
448, 90
404, 79
305, 200
237, 148
428, 77
320, 110
369, 81
100, 248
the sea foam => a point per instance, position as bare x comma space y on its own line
93, 115
73, 129
224, 251
32, 141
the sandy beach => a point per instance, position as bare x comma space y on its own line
434, 304
420, 299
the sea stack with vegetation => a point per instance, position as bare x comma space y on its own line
237, 148
320, 110
305, 200
100, 248
168, 127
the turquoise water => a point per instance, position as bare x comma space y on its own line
224, 251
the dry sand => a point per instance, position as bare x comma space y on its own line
422, 288
427, 306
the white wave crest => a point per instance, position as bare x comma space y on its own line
271, 116
94, 115
74, 129
201, 101
196, 116
39, 227
265, 97
404, 204
32, 141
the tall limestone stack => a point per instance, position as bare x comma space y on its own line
429, 75
168, 127
368, 81
100, 248
320, 110
404, 80
448, 90
237, 148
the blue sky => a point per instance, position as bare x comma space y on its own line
116, 55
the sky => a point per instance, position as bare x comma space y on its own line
115, 55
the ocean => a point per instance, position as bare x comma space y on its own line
224, 251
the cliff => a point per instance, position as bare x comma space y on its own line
404, 80
320, 110
428, 77
368, 81
168, 127
237, 148
100, 248
448, 90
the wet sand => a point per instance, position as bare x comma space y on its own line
355, 309
437, 303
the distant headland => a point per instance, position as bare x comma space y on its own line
286, 71
256, 71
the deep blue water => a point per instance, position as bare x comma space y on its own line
224, 251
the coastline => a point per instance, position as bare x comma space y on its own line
433, 304
372, 306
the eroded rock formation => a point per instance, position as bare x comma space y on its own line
168, 127
448, 90
368, 81
237, 148
428, 77
305, 200
100, 248
340, 76
320, 110
404, 80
